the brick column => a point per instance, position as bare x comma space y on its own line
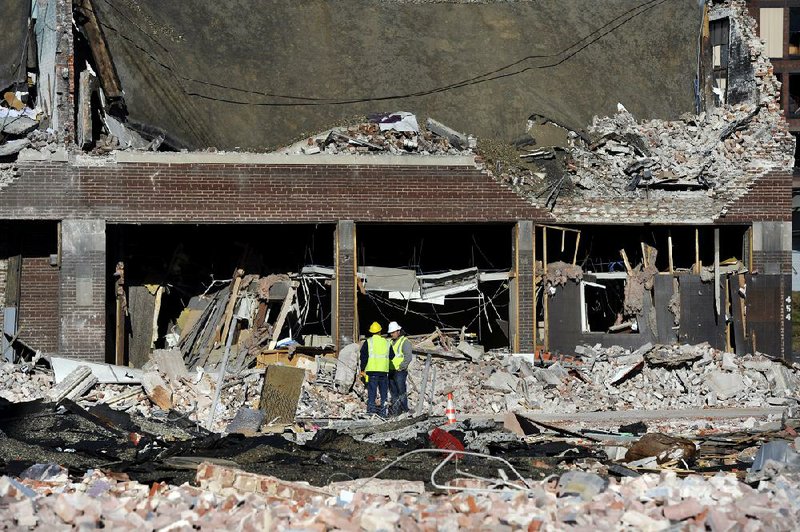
522, 290
343, 315
82, 295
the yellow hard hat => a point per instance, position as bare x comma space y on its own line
375, 328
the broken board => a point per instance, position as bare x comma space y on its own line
281, 393
141, 307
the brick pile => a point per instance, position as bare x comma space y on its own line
233, 500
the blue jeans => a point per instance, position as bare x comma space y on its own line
377, 382
397, 389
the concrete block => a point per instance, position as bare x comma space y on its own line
724, 384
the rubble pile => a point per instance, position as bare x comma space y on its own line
8, 174
232, 499
392, 133
23, 382
696, 152
193, 397
703, 151
613, 378
189, 395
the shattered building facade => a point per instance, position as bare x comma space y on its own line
572, 183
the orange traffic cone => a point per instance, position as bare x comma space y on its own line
450, 412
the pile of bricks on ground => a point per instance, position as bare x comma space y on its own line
23, 382
614, 378
228, 499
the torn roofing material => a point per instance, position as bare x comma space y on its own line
13, 41
237, 75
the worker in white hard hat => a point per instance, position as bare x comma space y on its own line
402, 356
376, 356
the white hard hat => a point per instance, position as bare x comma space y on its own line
393, 326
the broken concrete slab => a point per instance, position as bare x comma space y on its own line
473, 352
18, 126
247, 422
11, 147
457, 140
105, 373
724, 384
502, 382
170, 362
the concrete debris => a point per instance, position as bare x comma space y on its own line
12, 147
394, 133
585, 485
18, 126
669, 377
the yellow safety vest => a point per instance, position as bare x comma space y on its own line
397, 346
378, 361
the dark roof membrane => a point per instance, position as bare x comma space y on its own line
254, 76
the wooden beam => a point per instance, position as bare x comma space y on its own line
560, 228
226, 318
88, 23
86, 87
120, 312
728, 312
287, 304
669, 252
626, 261
545, 295
697, 264
717, 302
577, 243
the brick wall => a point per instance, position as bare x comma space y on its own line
345, 300
38, 310
147, 192
38, 306
82, 294
769, 199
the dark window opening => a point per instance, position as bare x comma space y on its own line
796, 136
481, 309
603, 301
720, 37
794, 31
794, 96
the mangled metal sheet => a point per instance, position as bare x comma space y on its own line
380, 279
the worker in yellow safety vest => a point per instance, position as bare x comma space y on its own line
376, 355
398, 370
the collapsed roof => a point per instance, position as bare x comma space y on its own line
245, 76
